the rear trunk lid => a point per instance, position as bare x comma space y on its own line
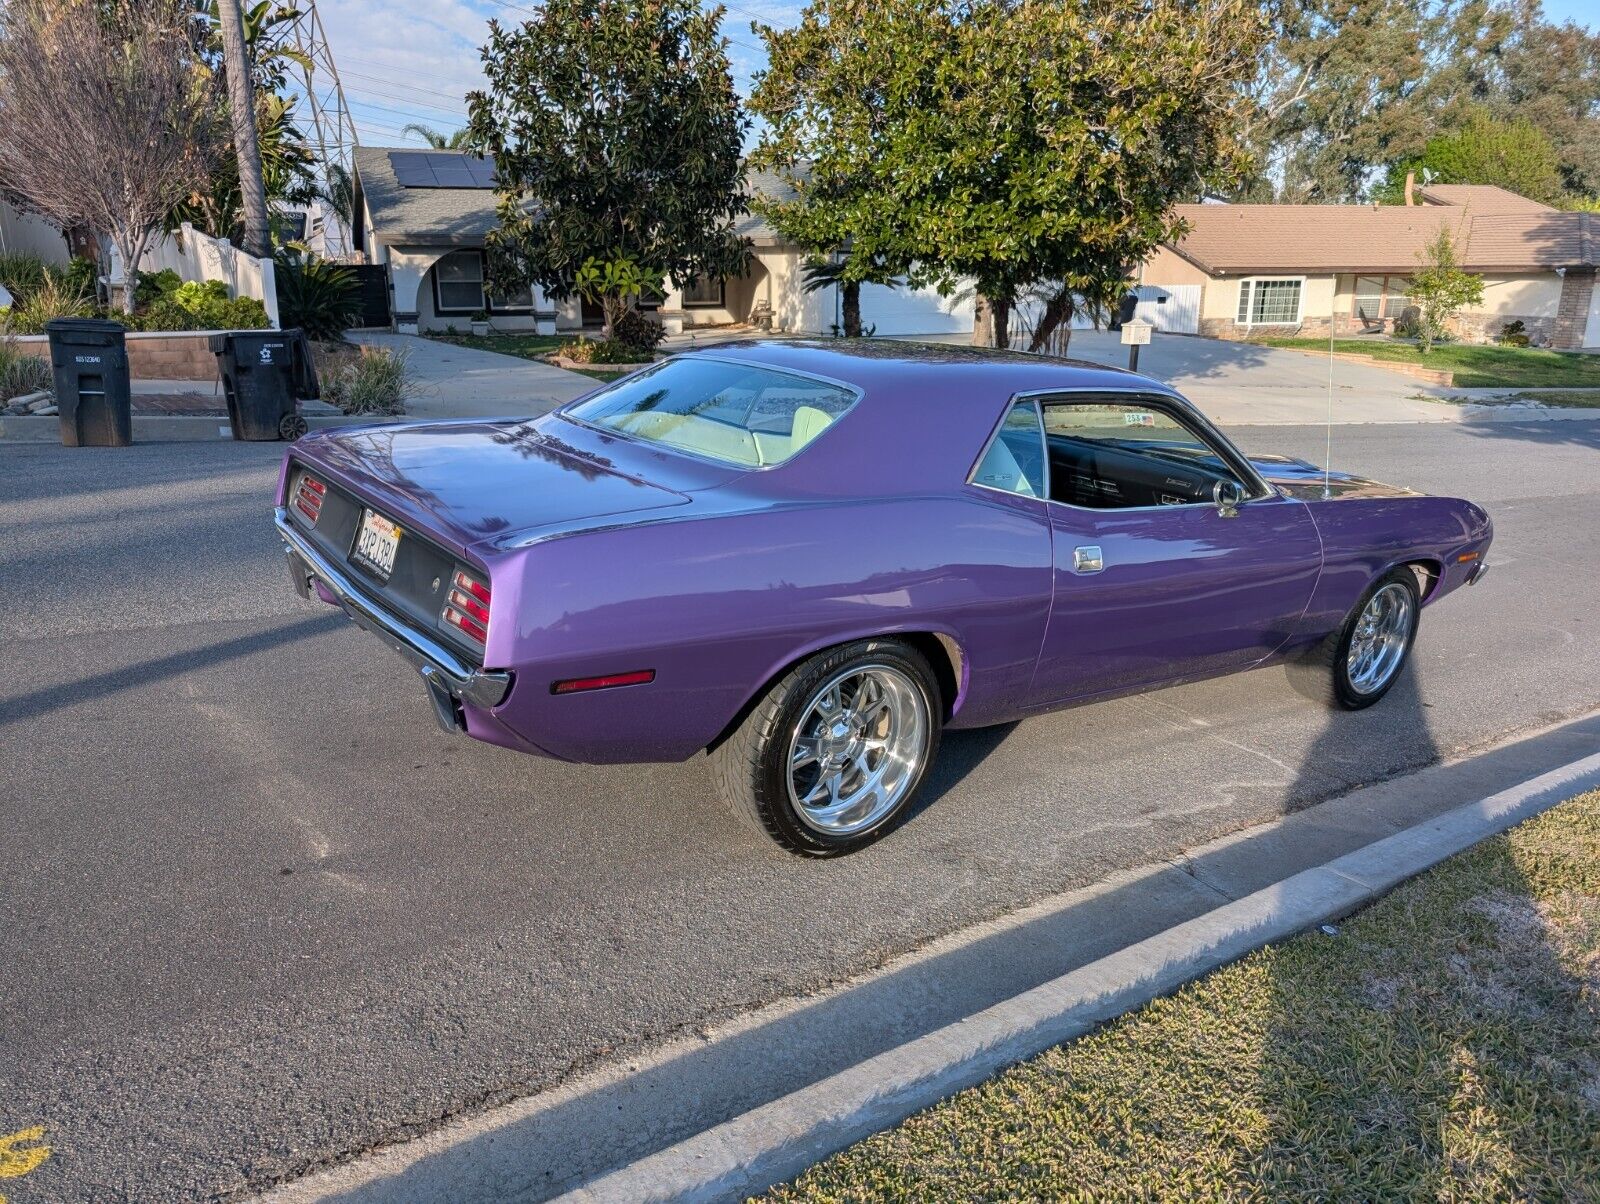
466, 483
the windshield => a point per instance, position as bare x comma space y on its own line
736, 413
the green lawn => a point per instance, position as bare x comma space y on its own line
1475, 366
528, 346
1445, 1045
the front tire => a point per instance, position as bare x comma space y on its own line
1359, 663
830, 758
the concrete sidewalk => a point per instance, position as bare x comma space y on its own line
461, 382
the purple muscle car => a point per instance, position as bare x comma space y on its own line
809, 558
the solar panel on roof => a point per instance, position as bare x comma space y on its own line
431, 169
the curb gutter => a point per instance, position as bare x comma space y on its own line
777, 1141
163, 428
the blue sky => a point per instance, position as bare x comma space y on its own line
413, 60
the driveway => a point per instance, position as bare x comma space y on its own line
1246, 383
258, 913
462, 382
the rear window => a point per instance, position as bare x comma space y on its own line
736, 413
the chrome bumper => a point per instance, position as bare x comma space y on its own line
441, 669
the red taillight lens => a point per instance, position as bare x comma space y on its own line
576, 685
467, 607
308, 494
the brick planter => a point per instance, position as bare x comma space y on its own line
162, 355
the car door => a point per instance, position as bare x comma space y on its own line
1154, 581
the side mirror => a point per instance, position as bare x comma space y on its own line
1227, 495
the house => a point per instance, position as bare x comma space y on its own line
1286, 269
424, 214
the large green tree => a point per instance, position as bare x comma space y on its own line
1513, 154
1011, 143
1349, 87
617, 138
827, 98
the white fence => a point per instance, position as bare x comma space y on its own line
199, 257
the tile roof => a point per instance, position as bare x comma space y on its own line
1239, 239
1485, 200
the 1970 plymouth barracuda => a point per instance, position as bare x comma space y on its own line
809, 558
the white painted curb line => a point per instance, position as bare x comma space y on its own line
777, 1141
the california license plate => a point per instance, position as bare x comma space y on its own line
376, 543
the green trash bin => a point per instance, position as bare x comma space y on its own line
89, 360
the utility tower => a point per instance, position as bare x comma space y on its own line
331, 130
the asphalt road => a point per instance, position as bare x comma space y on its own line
257, 912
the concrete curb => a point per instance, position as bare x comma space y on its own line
163, 428
777, 1141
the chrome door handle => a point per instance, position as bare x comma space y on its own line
1087, 559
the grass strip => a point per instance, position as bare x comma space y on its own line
1475, 366
1445, 1044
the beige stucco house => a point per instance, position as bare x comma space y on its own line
1283, 269
424, 215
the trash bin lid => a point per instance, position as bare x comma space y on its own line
94, 332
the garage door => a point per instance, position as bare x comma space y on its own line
911, 311
1174, 307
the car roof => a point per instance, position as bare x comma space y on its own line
867, 364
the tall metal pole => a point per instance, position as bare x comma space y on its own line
241, 100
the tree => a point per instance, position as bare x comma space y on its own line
824, 98
1441, 289
105, 123
454, 140
617, 137
1513, 154
1009, 143
242, 107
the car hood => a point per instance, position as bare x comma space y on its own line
471, 482
1304, 480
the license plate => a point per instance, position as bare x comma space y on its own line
376, 543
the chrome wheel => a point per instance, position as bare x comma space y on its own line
858, 749
1380, 638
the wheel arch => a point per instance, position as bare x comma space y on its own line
943, 652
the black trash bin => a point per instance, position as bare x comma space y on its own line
89, 357
263, 372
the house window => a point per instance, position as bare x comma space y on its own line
704, 292
519, 302
1270, 302
1380, 297
458, 283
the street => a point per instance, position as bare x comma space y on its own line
258, 913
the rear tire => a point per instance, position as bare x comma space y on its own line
831, 756
1360, 662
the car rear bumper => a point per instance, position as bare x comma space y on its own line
448, 677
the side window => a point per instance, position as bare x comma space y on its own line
1015, 461
1113, 456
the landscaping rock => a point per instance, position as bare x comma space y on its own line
26, 399
41, 403
48, 411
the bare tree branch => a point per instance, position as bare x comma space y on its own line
105, 123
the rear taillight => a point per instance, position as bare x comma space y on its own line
467, 607
308, 495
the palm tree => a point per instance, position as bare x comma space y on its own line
455, 140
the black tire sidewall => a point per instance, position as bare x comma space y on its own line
772, 785
1344, 693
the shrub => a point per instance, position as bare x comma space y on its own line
319, 297
52, 298
639, 333
22, 274
582, 350
375, 383
199, 306
21, 373
1514, 334
150, 287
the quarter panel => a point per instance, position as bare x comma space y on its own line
719, 605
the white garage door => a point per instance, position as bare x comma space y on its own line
1174, 307
912, 311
